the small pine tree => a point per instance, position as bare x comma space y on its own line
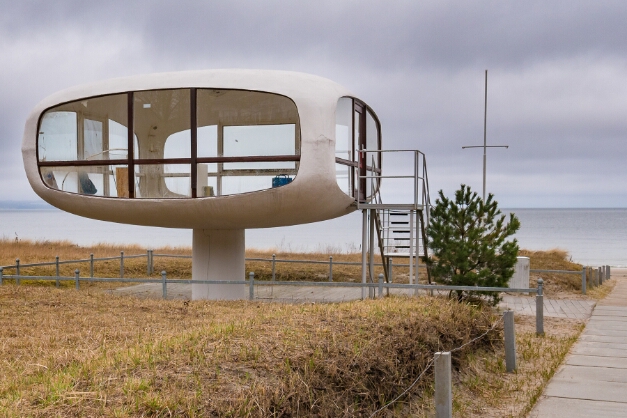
468, 240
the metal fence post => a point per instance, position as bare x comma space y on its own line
17, 271
380, 285
121, 264
273, 267
330, 268
149, 266
251, 285
57, 266
1, 281
510, 341
583, 280
164, 284
390, 275
443, 390
540, 309
91, 266
76, 284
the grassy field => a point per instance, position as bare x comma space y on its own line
89, 353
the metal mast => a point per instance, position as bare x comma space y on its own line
485, 142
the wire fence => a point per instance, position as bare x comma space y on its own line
590, 276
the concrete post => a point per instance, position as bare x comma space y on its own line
91, 265
121, 264
583, 280
57, 266
149, 262
330, 268
1, 280
380, 285
540, 309
76, 284
600, 269
164, 284
273, 267
443, 390
251, 285
17, 271
607, 272
510, 341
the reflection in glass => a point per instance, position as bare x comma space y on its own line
342, 176
58, 136
107, 181
91, 129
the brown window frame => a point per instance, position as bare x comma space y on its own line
131, 161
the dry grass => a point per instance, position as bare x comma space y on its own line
68, 353
87, 353
556, 286
483, 389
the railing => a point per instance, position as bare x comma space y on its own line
420, 192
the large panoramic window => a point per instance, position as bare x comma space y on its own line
184, 143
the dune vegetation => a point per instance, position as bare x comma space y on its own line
90, 353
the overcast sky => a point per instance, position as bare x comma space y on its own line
557, 87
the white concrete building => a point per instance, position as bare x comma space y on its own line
215, 151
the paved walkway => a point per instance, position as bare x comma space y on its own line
523, 305
593, 380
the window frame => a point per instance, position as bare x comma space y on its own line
130, 162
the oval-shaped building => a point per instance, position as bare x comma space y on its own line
215, 151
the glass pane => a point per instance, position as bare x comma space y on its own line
244, 184
118, 141
207, 137
342, 175
84, 130
162, 181
57, 140
108, 181
178, 145
93, 140
159, 114
206, 183
372, 133
259, 140
343, 128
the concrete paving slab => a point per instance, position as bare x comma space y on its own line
617, 345
616, 332
602, 338
600, 352
609, 325
586, 360
578, 408
579, 389
590, 373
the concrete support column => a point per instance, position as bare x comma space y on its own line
218, 255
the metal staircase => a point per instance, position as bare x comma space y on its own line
400, 226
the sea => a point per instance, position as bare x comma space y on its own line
590, 236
